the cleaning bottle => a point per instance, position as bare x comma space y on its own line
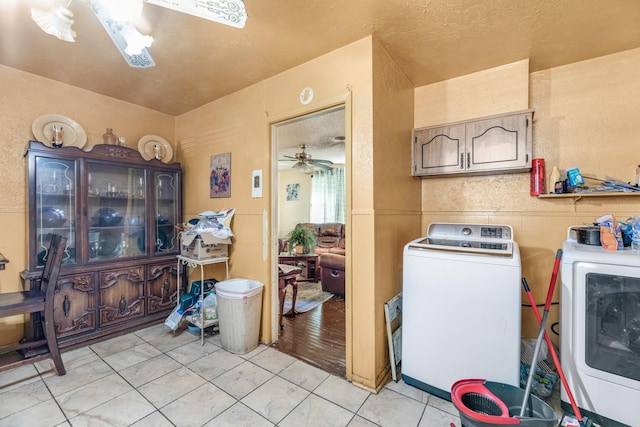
537, 177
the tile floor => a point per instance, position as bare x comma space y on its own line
154, 378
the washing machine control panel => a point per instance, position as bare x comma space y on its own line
478, 238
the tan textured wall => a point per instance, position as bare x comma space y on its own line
494, 91
396, 199
24, 98
240, 124
585, 116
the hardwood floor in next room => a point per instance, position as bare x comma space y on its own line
317, 337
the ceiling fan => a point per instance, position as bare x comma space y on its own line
304, 161
116, 17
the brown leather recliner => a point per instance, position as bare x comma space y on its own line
330, 239
332, 272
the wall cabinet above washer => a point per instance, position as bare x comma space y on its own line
495, 144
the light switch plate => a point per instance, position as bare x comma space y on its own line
256, 184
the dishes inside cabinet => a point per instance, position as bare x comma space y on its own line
106, 217
154, 146
52, 217
163, 241
110, 244
73, 135
161, 219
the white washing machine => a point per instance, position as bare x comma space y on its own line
600, 332
461, 307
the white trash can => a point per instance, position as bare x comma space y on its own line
239, 314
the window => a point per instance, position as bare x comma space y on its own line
328, 196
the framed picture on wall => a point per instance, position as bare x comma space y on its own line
293, 192
220, 176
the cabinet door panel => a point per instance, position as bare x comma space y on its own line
162, 288
166, 209
54, 207
116, 206
74, 307
121, 295
439, 150
498, 144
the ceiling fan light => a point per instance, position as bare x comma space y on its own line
136, 41
302, 167
56, 22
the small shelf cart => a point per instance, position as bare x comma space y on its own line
194, 263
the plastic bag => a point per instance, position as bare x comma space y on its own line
610, 234
210, 307
634, 232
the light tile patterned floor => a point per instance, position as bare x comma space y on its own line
154, 378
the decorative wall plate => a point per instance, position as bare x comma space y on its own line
73, 135
147, 147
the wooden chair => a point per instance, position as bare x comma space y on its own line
40, 301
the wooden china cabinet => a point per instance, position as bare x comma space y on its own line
118, 212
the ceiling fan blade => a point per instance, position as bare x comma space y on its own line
321, 165
289, 157
122, 35
321, 161
228, 12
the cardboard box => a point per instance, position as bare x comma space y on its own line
203, 246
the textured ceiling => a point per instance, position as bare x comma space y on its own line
198, 61
323, 133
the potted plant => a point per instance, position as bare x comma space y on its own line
302, 240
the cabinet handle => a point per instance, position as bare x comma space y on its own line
468, 160
66, 306
461, 160
122, 307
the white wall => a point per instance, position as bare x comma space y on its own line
292, 212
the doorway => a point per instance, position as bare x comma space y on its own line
308, 146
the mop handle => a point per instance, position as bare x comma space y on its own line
534, 362
536, 350
554, 354
554, 277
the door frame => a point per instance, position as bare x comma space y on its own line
341, 100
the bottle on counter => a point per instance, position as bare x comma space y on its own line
638, 176
537, 177
554, 179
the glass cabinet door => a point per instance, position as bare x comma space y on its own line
116, 212
166, 211
55, 206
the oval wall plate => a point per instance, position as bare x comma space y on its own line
306, 95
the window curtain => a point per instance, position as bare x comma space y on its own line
328, 196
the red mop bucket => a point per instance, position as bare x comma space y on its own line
482, 403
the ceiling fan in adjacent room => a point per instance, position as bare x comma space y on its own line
117, 16
304, 161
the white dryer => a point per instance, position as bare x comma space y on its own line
461, 307
600, 332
